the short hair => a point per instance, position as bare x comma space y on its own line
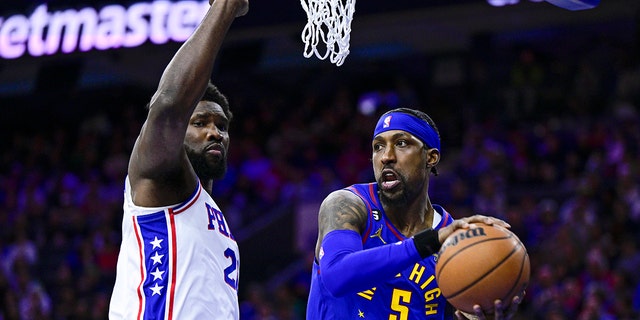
213, 94
421, 115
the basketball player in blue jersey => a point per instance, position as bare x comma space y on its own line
377, 242
178, 259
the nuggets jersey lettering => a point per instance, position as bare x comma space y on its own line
412, 294
177, 262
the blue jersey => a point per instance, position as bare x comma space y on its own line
412, 294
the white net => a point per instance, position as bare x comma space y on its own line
328, 21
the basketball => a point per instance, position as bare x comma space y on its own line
480, 265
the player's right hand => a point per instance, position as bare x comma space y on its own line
501, 312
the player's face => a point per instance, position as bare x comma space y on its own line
207, 140
399, 166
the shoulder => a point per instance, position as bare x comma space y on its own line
344, 196
342, 209
152, 192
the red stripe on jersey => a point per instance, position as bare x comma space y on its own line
184, 207
446, 219
372, 194
140, 251
174, 258
394, 230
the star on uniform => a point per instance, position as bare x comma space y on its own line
156, 289
156, 243
157, 274
156, 258
360, 313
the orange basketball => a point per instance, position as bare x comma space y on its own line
480, 265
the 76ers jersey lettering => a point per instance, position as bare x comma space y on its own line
178, 262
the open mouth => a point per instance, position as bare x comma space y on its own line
389, 180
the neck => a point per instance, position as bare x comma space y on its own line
413, 218
207, 185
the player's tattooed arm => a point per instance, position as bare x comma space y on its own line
341, 210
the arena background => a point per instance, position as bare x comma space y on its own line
537, 107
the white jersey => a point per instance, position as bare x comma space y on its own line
176, 262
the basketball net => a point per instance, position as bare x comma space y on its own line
328, 21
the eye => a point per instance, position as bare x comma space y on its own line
377, 146
223, 127
197, 123
401, 143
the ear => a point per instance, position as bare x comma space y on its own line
433, 157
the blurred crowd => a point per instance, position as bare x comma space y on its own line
546, 139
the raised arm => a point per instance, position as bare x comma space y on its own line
159, 170
185, 78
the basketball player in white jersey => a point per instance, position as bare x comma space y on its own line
178, 258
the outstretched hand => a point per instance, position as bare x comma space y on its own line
467, 223
501, 312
